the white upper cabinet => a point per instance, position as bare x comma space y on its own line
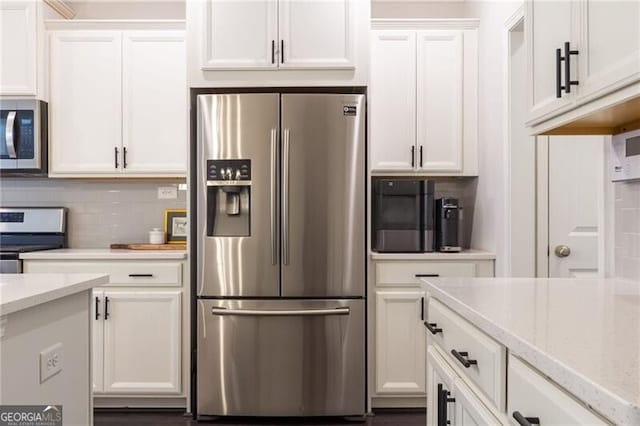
18, 34
610, 45
315, 34
440, 106
240, 34
424, 97
277, 34
86, 102
392, 98
154, 102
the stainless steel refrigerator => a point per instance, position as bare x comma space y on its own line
280, 255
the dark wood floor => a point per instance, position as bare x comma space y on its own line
104, 417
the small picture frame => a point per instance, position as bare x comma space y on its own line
176, 226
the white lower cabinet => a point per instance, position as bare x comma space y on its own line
97, 341
440, 385
470, 411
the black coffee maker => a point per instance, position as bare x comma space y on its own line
447, 225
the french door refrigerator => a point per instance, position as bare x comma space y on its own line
281, 254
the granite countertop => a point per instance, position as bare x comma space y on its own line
104, 254
22, 291
470, 254
584, 333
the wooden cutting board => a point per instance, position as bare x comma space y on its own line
143, 246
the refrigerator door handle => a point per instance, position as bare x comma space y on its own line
285, 196
273, 200
280, 313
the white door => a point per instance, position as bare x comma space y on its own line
548, 25
142, 342
610, 48
392, 100
439, 100
86, 102
576, 185
97, 336
440, 380
400, 342
240, 34
154, 103
469, 410
316, 34
18, 47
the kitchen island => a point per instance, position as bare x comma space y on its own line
45, 342
547, 350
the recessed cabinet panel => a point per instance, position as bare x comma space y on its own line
440, 106
86, 102
18, 47
154, 103
315, 34
393, 100
240, 34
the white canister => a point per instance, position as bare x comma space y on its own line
156, 236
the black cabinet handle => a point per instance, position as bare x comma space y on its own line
525, 421
282, 51
106, 308
443, 400
567, 67
115, 157
124, 157
462, 357
413, 156
273, 51
432, 327
427, 275
422, 308
97, 308
559, 86
420, 155
141, 275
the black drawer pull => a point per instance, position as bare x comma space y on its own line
106, 308
141, 275
525, 421
427, 275
432, 327
462, 357
97, 307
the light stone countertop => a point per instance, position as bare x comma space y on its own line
470, 254
584, 334
104, 254
22, 291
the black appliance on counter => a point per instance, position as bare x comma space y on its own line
403, 216
447, 225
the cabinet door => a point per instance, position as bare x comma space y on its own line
610, 45
439, 103
97, 336
18, 47
240, 34
154, 103
142, 342
548, 26
315, 34
393, 100
440, 380
470, 411
86, 102
400, 343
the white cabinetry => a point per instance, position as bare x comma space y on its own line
265, 34
469, 409
18, 35
118, 103
424, 84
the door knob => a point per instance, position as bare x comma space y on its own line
562, 251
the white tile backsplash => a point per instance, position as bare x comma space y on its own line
627, 230
100, 212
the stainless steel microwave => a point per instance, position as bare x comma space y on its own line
23, 137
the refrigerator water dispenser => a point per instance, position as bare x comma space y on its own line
228, 198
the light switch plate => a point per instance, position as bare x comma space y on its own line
51, 360
167, 192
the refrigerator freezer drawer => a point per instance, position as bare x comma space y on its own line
281, 357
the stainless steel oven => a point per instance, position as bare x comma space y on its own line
23, 137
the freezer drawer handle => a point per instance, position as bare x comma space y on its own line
280, 313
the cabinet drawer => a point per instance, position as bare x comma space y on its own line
532, 395
480, 358
390, 273
163, 274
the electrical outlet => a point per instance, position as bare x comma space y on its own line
167, 192
51, 360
